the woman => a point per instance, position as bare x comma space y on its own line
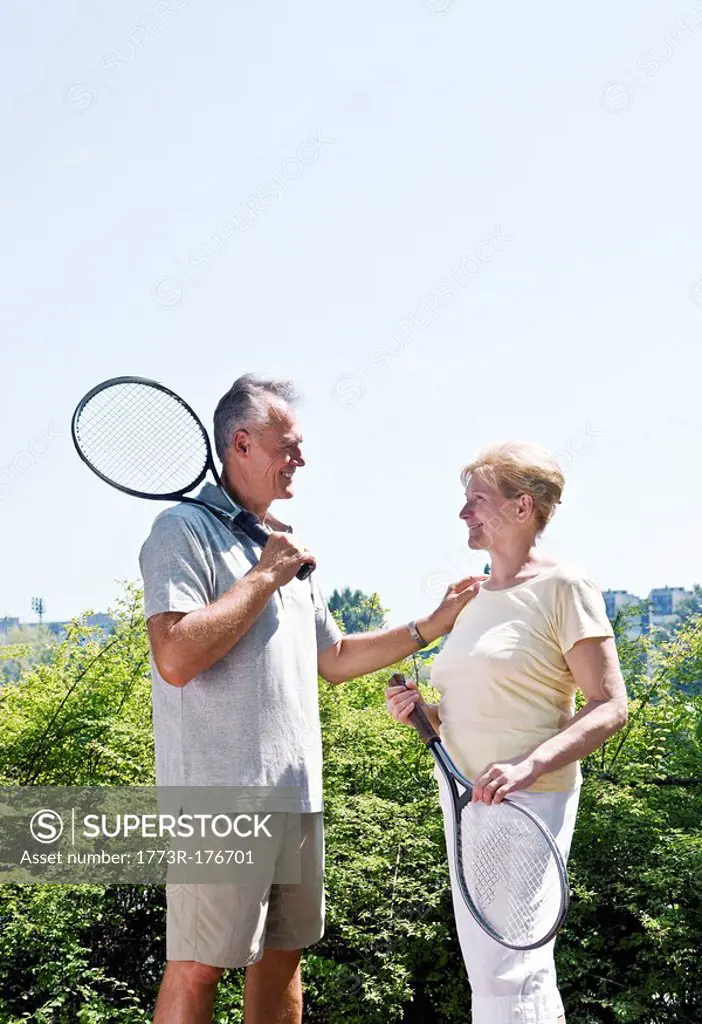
532, 635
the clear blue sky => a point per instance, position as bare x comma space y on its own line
449, 122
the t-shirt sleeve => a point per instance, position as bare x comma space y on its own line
174, 568
580, 613
328, 631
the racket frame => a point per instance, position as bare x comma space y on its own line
170, 495
239, 519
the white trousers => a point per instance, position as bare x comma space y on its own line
509, 986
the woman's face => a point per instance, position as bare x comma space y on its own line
486, 513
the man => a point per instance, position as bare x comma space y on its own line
237, 642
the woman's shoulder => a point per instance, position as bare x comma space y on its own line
567, 573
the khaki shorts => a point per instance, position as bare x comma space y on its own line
227, 925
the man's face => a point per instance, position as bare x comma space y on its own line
273, 454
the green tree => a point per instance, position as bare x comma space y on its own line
692, 605
629, 953
22, 647
357, 612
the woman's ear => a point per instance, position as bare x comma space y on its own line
526, 505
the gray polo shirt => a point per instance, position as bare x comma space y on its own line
253, 718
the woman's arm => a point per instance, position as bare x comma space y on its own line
594, 663
595, 666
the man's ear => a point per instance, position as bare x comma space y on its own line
240, 442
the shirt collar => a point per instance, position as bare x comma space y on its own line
213, 496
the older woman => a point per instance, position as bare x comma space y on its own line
533, 634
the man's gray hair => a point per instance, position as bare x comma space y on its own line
245, 405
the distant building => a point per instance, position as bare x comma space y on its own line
660, 612
615, 600
618, 600
100, 621
664, 602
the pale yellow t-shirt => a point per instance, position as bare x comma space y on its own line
504, 683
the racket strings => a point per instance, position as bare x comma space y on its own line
151, 420
142, 438
510, 872
170, 447
144, 454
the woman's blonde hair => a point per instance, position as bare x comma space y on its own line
520, 467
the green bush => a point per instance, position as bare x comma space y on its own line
630, 949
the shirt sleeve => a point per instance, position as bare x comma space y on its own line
580, 613
174, 568
328, 631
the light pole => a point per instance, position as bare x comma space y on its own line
39, 607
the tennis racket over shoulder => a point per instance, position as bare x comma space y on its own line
509, 869
143, 439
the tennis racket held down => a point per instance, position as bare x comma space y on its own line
508, 867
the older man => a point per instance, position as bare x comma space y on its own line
237, 643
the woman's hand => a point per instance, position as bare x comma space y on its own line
500, 778
401, 698
457, 596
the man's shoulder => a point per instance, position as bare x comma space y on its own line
170, 531
181, 518
188, 526
197, 529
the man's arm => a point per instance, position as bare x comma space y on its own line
359, 653
184, 644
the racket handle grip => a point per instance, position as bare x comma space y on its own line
252, 529
423, 726
418, 717
247, 522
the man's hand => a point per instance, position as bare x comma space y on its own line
282, 558
455, 599
500, 778
360, 653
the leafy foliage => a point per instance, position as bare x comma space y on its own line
630, 949
692, 605
84, 718
357, 612
22, 647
